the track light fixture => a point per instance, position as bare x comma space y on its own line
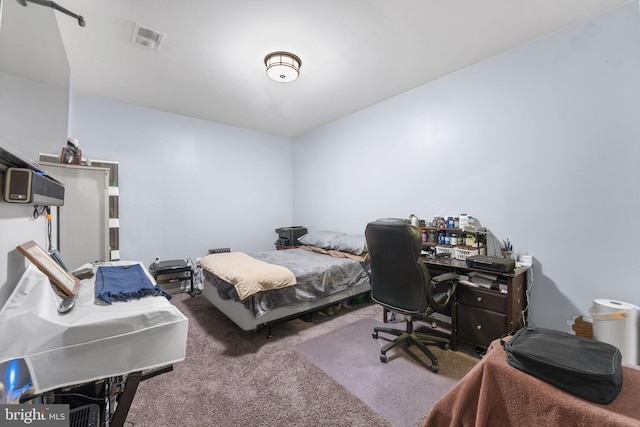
57, 7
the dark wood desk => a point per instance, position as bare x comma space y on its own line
480, 315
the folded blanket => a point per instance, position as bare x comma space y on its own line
247, 274
121, 283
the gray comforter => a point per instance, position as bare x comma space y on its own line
317, 275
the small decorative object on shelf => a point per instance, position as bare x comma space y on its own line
71, 154
507, 249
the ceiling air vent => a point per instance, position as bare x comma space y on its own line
146, 37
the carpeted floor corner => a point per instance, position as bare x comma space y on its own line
232, 378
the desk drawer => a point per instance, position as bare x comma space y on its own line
480, 326
482, 298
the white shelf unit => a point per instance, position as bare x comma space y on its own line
101, 199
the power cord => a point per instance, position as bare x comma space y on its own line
527, 318
49, 227
38, 212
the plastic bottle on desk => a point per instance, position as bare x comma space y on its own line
463, 221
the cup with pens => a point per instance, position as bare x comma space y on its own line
507, 249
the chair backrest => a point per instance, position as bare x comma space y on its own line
399, 279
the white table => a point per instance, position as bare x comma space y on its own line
92, 341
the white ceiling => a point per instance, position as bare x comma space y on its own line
354, 53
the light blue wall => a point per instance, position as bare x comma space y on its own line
539, 143
34, 108
187, 185
30, 119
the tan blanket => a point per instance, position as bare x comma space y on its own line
247, 274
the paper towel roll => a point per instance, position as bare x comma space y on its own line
616, 323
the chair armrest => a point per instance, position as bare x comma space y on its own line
445, 276
440, 301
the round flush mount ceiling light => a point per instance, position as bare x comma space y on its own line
283, 67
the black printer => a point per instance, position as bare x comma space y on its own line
174, 275
288, 236
491, 263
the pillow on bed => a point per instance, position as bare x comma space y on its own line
352, 243
320, 239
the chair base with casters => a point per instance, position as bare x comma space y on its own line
401, 282
410, 337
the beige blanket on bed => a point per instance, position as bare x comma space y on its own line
247, 274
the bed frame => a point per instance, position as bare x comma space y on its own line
245, 319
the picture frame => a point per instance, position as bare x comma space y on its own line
71, 156
66, 283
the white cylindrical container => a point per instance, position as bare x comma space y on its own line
463, 221
616, 323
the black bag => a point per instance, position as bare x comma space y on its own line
586, 368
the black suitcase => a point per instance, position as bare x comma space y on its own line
583, 367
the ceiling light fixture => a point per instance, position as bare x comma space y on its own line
283, 67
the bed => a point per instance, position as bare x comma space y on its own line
330, 268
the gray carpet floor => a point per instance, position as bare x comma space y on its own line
236, 378
404, 389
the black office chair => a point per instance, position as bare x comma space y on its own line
401, 282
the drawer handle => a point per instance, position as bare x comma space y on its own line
479, 327
479, 299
